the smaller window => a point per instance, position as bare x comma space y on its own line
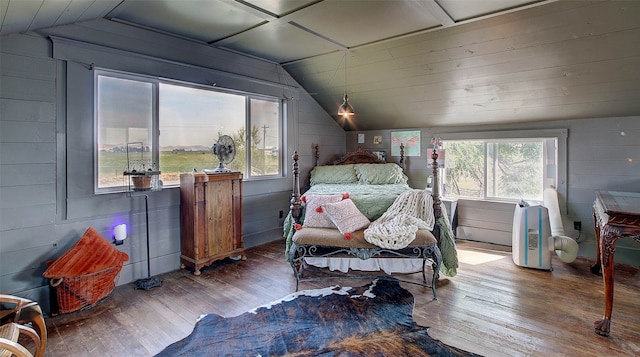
265, 137
502, 169
124, 108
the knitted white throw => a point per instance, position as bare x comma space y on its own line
397, 227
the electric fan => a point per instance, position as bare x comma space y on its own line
225, 150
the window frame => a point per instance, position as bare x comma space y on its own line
75, 89
560, 136
281, 141
155, 123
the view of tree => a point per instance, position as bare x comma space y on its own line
464, 168
257, 155
514, 169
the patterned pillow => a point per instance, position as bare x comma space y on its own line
313, 212
346, 216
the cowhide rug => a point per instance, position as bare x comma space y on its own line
373, 320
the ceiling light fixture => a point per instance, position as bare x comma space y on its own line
345, 110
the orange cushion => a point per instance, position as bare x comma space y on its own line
92, 253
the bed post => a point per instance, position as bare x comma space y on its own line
436, 185
316, 149
296, 203
402, 163
435, 193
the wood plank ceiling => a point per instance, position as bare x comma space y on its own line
407, 63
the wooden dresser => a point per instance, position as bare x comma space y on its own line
210, 219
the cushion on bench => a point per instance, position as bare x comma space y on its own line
331, 237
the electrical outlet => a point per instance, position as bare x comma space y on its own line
577, 225
281, 218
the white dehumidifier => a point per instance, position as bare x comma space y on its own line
531, 235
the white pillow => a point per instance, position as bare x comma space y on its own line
313, 213
346, 216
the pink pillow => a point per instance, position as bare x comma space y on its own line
314, 213
346, 216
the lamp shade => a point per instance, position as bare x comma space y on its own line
346, 110
120, 232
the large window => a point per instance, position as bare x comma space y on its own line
174, 126
501, 169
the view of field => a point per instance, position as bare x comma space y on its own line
173, 163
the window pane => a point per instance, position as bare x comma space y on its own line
191, 120
124, 115
265, 137
464, 173
515, 170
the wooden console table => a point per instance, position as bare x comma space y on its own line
616, 215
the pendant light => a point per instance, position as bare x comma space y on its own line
345, 110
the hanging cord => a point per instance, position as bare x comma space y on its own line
343, 59
345, 71
146, 211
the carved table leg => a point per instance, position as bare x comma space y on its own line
607, 248
597, 267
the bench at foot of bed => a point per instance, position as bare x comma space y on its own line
329, 243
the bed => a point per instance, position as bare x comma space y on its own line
323, 228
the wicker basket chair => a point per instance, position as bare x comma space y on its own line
21, 316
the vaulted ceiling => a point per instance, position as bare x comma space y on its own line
407, 63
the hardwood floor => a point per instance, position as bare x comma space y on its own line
492, 307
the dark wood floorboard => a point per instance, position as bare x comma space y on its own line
492, 307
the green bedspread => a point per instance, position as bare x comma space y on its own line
371, 200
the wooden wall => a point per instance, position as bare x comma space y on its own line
602, 154
46, 160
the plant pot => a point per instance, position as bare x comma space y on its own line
141, 183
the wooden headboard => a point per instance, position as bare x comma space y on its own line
359, 156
